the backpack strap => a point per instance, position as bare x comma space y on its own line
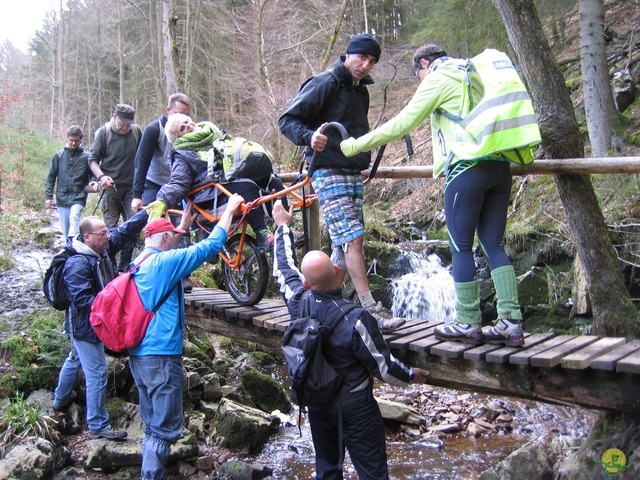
135, 268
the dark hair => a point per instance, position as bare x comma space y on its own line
429, 52
179, 98
74, 131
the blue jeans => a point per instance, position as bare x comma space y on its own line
70, 219
159, 380
91, 358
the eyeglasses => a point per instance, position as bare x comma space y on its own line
100, 234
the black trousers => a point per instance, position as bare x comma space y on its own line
359, 421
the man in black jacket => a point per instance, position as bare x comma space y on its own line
152, 163
340, 95
86, 272
69, 173
356, 349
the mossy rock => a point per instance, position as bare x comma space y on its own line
264, 391
239, 427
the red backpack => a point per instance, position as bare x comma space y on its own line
118, 316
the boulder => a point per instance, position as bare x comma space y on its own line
624, 90
107, 454
31, 459
243, 428
399, 412
530, 461
264, 392
237, 470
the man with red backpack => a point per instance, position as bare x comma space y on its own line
156, 364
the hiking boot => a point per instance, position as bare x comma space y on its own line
108, 434
459, 332
386, 321
505, 331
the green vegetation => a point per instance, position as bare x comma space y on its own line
20, 420
35, 354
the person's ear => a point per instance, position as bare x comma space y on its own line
336, 268
306, 284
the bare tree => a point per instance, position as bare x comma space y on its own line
614, 314
598, 101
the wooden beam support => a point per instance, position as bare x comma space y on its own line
569, 166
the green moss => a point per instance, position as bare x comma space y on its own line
36, 355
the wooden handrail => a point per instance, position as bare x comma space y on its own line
569, 166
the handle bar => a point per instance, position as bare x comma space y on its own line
335, 125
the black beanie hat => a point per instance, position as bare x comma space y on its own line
365, 43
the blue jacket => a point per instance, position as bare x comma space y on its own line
160, 273
86, 273
356, 347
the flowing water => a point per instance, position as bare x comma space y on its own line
424, 289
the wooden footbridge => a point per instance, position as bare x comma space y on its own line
589, 371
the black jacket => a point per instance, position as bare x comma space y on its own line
69, 172
330, 97
356, 348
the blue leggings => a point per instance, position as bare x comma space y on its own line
476, 198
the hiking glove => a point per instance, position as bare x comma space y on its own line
156, 209
350, 147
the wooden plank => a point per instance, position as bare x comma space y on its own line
424, 344
405, 341
609, 361
523, 356
503, 354
278, 323
553, 356
630, 363
410, 327
451, 349
249, 315
582, 358
260, 319
479, 352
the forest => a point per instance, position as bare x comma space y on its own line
240, 61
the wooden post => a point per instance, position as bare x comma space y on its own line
313, 221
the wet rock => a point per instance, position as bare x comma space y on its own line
475, 430
530, 461
108, 454
236, 470
31, 459
446, 428
212, 388
241, 427
399, 412
264, 392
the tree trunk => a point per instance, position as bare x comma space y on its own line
614, 314
598, 101
167, 42
334, 36
120, 54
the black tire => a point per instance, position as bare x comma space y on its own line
248, 284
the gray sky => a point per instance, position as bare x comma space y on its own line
21, 18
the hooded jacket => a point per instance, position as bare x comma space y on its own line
69, 172
330, 97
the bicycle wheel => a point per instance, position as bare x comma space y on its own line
248, 283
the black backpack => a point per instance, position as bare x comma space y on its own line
313, 379
54, 286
